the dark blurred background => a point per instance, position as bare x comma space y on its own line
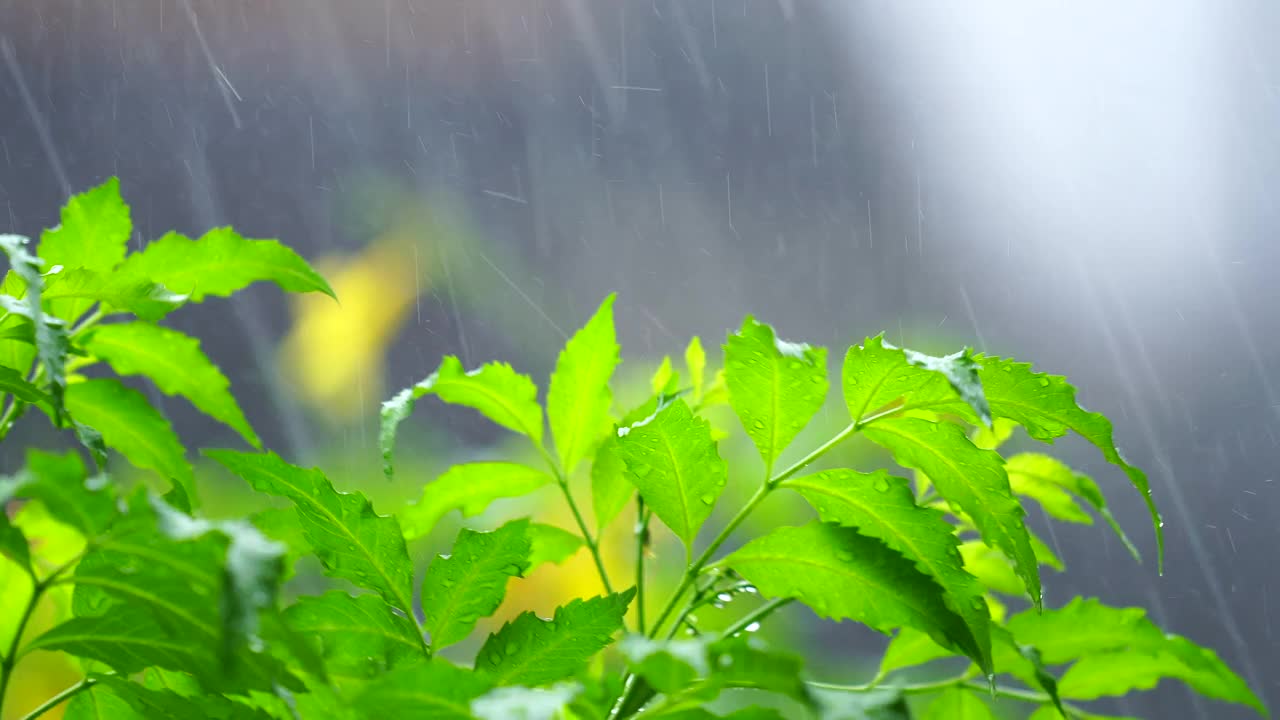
1087, 185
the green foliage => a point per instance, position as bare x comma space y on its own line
172, 614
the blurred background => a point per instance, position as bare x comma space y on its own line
1086, 185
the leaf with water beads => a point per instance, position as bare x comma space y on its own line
973, 479
775, 387
532, 651
882, 506
671, 458
471, 581
841, 574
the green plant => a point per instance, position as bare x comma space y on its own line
177, 616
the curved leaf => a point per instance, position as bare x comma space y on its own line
1055, 486
130, 426
496, 390
695, 361
177, 365
12, 382
973, 479
118, 292
220, 263
958, 704
532, 651
882, 506
471, 581
470, 488
550, 544
775, 387
352, 541
671, 458
433, 690
1118, 650
578, 398
876, 374
52, 343
1045, 406
843, 574
94, 232
357, 636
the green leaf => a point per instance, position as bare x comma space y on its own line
162, 703
1118, 650
132, 427
59, 483
665, 379
470, 488
775, 387
551, 544
220, 263
910, 648
745, 661
671, 458
119, 293
669, 666
1045, 406
610, 489
958, 704
433, 690
695, 362
99, 703
471, 581
532, 651
991, 567
129, 639
357, 637
880, 704
521, 703
843, 574
94, 232
494, 389
973, 479
52, 343
877, 374
177, 365
578, 399
1055, 486
13, 383
962, 372
351, 540
882, 506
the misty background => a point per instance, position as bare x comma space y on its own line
1089, 186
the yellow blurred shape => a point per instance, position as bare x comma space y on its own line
334, 352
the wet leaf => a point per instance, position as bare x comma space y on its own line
973, 479
671, 458
775, 387
471, 581
175, 363
579, 398
532, 651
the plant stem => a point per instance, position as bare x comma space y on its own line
757, 615
761, 493
10, 658
592, 545
642, 539
563, 481
60, 698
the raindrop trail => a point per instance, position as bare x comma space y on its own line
224, 85
1173, 486
42, 128
536, 307
453, 304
